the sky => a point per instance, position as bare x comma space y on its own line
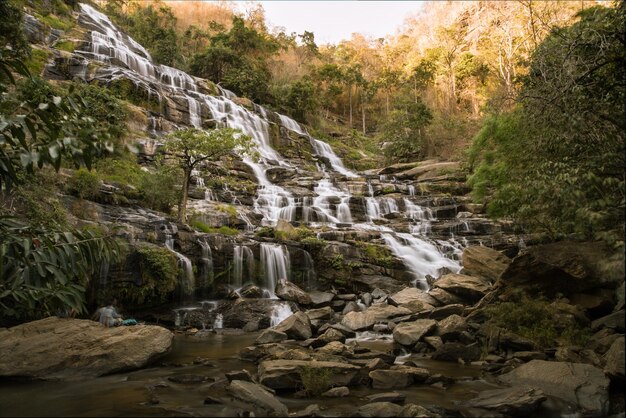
333, 21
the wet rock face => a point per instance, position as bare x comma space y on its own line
75, 348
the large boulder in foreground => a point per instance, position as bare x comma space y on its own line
258, 397
564, 267
288, 374
290, 292
56, 348
466, 287
296, 326
581, 384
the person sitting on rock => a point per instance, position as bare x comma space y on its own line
108, 315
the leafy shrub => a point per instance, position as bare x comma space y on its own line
538, 320
84, 184
159, 271
224, 230
378, 255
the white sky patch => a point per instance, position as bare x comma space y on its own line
333, 21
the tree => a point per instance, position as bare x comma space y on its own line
403, 132
556, 163
191, 147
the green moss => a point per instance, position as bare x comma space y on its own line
84, 184
56, 22
68, 46
158, 271
37, 61
229, 210
380, 256
224, 230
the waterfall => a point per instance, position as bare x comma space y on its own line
183, 262
420, 216
309, 276
324, 150
275, 265
242, 255
421, 257
280, 312
219, 321
207, 261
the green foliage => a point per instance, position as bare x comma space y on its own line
315, 380
42, 271
56, 22
313, 245
36, 201
403, 132
39, 133
11, 33
65, 45
539, 321
223, 230
37, 61
376, 254
84, 184
159, 271
556, 163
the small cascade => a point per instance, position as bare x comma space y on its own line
321, 204
280, 312
411, 190
309, 276
421, 217
194, 112
422, 258
324, 150
242, 257
275, 265
183, 262
207, 261
250, 227
218, 323
209, 195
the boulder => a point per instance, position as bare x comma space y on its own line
451, 328
397, 377
338, 392
408, 333
287, 374
394, 397
455, 351
251, 291
445, 311
330, 335
321, 313
270, 336
296, 326
484, 262
466, 287
334, 348
580, 384
411, 294
258, 397
564, 267
515, 401
290, 292
613, 321
378, 409
614, 359
61, 348
415, 411
319, 299
443, 297
378, 312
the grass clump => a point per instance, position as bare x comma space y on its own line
539, 321
207, 229
316, 380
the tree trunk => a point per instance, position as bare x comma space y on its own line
182, 204
363, 116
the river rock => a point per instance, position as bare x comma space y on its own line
615, 359
258, 397
338, 392
445, 311
378, 409
296, 326
271, 336
484, 262
415, 411
394, 397
466, 287
515, 401
319, 299
251, 291
330, 335
74, 348
580, 384
321, 313
290, 292
358, 321
408, 333
286, 374
443, 297
455, 351
411, 294
451, 328
397, 377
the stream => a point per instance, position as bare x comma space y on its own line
211, 355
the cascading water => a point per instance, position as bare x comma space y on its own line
421, 257
243, 262
280, 312
183, 262
275, 266
207, 261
